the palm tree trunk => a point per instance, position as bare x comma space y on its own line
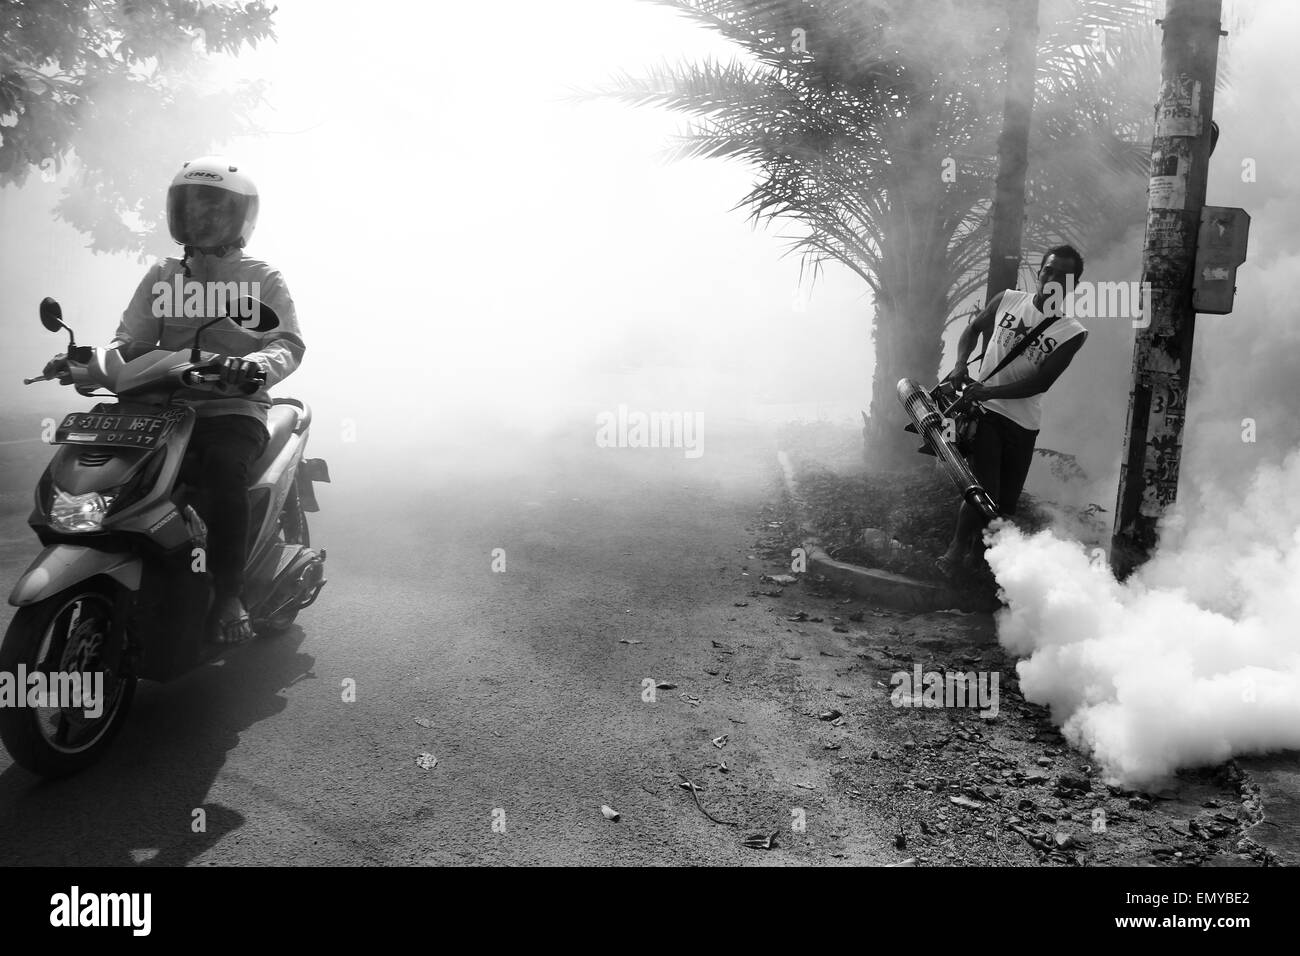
1013, 148
908, 344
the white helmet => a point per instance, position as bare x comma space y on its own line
211, 204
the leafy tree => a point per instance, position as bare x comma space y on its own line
874, 123
115, 89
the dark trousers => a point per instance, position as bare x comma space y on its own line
219, 463
1001, 458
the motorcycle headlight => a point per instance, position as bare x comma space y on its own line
73, 513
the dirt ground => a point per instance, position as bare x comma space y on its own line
940, 786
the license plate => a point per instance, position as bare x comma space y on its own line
95, 428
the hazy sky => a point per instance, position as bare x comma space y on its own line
456, 233
466, 245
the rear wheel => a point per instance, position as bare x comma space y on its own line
73, 632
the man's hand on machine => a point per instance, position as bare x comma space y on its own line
973, 392
958, 376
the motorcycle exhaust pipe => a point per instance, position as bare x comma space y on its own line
920, 407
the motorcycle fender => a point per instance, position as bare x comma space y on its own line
61, 566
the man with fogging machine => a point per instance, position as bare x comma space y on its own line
1028, 343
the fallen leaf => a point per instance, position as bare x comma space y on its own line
829, 714
624, 640
761, 841
665, 685
967, 802
424, 721
720, 742
426, 761
610, 813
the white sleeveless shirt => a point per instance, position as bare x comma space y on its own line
1016, 317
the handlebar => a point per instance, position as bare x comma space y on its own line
197, 376
206, 375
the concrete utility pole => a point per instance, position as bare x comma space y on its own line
1013, 147
1162, 353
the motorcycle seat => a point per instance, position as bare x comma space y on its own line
281, 422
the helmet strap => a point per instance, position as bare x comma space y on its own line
191, 251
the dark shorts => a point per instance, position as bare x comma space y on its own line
1001, 458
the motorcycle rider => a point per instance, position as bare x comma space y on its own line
212, 207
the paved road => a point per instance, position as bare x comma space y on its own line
517, 682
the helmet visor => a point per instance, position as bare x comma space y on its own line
205, 216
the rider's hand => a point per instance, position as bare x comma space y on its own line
57, 367
974, 392
243, 374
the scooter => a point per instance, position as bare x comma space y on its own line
121, 590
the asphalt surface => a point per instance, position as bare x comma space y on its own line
622, 567
516, 682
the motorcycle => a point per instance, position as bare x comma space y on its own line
120, 591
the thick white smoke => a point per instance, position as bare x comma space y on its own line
1194, 659
1197, 657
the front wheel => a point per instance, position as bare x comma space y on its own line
78, 685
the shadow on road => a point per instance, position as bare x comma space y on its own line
137, 805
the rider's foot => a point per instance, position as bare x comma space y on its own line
231, 624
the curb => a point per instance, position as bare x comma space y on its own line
873, 584
892, 590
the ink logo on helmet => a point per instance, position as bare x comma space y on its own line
204, 175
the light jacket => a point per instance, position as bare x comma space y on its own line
156, 316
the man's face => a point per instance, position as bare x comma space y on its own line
208, 214
1057, 269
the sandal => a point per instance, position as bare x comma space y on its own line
232, 628
946, 566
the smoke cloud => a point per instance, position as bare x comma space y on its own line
1196, 657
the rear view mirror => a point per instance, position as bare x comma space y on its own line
51, 314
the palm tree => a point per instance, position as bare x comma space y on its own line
873, 125
1007, 221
